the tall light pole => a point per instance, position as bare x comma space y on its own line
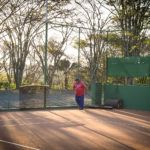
78, 74
46, 41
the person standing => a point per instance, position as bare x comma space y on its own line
79, 89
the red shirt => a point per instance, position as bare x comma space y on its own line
79, 87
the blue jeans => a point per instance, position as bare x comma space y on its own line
80, 101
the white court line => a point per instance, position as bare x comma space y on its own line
18, 145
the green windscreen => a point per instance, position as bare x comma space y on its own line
128, 67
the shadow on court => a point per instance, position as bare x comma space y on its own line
90, 129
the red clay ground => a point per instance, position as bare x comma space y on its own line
90, 129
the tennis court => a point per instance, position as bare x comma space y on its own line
73, 129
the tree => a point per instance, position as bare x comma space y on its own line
93, 44
5, 64
55, 52
66, 66
131, 17
33, 73
7, 9
21, 28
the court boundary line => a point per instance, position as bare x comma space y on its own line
2, 141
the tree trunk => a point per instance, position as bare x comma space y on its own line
51, 76
66, 81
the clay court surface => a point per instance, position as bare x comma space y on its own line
72, 129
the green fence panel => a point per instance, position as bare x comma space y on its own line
96, 93
134, 97
128, 67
